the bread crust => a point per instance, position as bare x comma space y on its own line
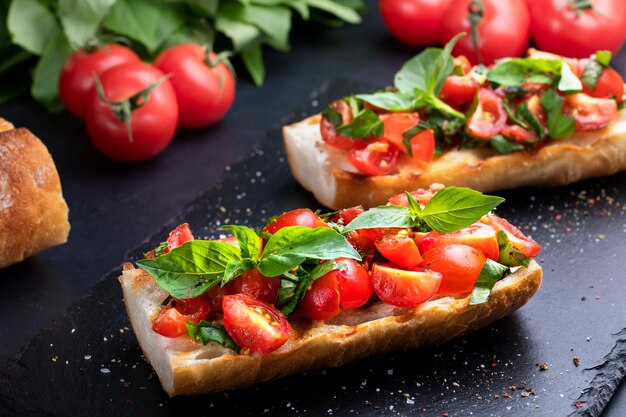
324, 170
186, 367
33, 213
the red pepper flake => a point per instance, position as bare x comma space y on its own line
578, 404
568, 229
493, 365
444, 414
505, 395
558, 217
543, 366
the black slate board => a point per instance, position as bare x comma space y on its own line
89, 363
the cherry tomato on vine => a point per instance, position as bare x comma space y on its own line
204, 85
459, 266
503, 28
404, 288
253, 324
376, 158
489, 116
76, 79
172, 320
152, 121
255, 285
298, 217
578, 28
414, 22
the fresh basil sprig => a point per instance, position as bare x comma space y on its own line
514, 72
491, 273
510, 256
595, 68
559, 125
450, 209
207, 331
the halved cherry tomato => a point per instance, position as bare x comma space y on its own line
459, 90
462, 65
399, 248
518, 134
178, 236
478, 235
518, 239
610, 84
216, 294
536, 109
459, 266
355, 287
298, 217
422, 196
172, 321
345, 216
404, 288
489, 117
376, 158
396, 124
255, 285
329, 131
590, 113
323, 300
253, 324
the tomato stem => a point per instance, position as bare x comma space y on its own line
580, 6
476, 14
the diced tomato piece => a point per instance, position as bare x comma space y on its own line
177, 237
459, 266
396, 124
518, 239
478, 235
590, 113
518, 134
172, 320
399, 248
489, 117
329, 131
610, 84
345, 216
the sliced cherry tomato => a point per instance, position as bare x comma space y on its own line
178, 236
489, 117
518, 134
345, 216
610, 84
404, 288
298, 217
355, 287
590, 113
255, 325
518, 239
462, 65
459, 90
396, 124
376, 233
414, 22
329, 131
204, 85
323, 300
376, 158
172, 321
399, 248
360, 242
255, 285
478, 235
422, 196
216, 294
459, 266
76, 79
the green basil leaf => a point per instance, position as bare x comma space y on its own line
306, 280
411, 133
241, 34
81, 19
513, 72
32, 25
510, 256
158, 251
45, 87
526, 115
337, 9
192, 268
437, 103
414, 207
207, 8
290, 246
366, 124
390, 100
273, 21
503, 145
207, 331
592, 73
383, 216
286, 292
604, 58
252, 57
249, 242
491, 273
515, 116
569, 82
454, 208
559, 125
333, 116
236, 269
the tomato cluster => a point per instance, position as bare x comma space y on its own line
132, 109
498, 29
403, 267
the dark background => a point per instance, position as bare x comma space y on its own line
114, 207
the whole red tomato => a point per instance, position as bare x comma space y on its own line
503, 30
152, 121
204, 86
76, 78
562, 27
414, 22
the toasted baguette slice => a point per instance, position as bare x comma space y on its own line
325, 171
33, 213
187, 367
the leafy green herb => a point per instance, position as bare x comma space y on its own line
391, 100
333, 116
510, 256
569, 82
491, 273
383, 216
235, 269
415, 210
305, 280
513, 115
604, 58
158, 251
514, 72
525, 114
559, 125
365, 124
207, 331
249, 242
503, 145
412, 132
592, 73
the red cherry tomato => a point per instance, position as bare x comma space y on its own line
76, 79
329, 131
462, 65
414, 22
459, 266
557, 26
355, 287
204, 86
216, 294
396, 124
255, 285
376, 158
504, 30
345, 216
178, 236
459, 90
489, 117
255, 325
478, 235
298, 217
399, 248
153, 124
404, 288
518, 134
590, 113
518, 239
610, 84
323, 300
172, 321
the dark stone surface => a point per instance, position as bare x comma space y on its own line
114, 206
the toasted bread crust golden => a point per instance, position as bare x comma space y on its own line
33, 214
324, 171
187, 367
